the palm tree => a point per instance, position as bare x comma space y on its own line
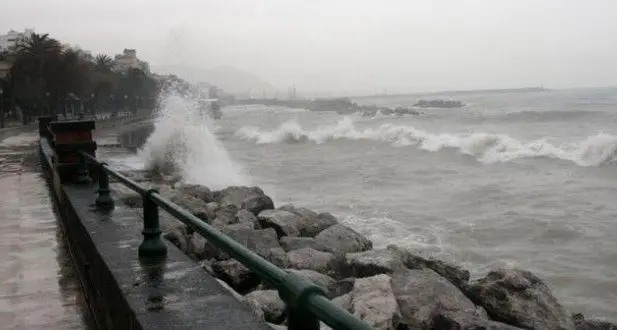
103, 63
38, 46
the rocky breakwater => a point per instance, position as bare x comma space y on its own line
390, 288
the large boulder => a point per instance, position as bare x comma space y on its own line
179, 237
211, 209
311, 223
325, 282
239, 277
455, 274
422, 295
267, 303
373, 262
342, 239
285, 223
235, 195
244, 216
225, 215
259, 241
583, 324
198, 244
256, 204
194, 205
308, 258
373, 301
198, 191
517, 297
290, 243
466, 321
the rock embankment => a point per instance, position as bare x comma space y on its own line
389, 288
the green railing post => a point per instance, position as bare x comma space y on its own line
83, 176
104, 200
296, 291
152, 247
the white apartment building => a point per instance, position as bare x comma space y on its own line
12, 38
128, 59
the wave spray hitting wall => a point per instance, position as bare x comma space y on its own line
183, 143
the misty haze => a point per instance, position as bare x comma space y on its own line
429, 164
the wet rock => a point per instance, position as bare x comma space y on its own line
284, 222
236, 275
235, 195
342, 287
268, 303
290, 243
198, 244
343, 302
239, 225
196, 206
311, 223
256, 204
277, 256
583, 324
206, 265
455, 274
178, 236
226, 215
211, 209
422, 294
519, 298
325, 282
466, 321
373, 301
373, 262
198, 191
308, 258
259, 241
342, 239
244, 216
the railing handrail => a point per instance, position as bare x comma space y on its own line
301, 294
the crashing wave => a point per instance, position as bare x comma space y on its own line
485, 147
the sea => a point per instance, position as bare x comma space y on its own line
513, 179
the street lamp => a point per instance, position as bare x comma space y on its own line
1, 109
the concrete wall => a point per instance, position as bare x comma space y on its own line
121, 292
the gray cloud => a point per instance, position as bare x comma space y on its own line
350, 45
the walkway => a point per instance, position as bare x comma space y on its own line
38, 285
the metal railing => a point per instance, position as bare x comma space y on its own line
306, 302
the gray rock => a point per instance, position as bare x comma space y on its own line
259, 241
256, 204
268, 303
466, 321
325, 282
311, 223
373, 262
226, 215
277, 256
206, 265
194, 205
422, 294
285, 223
342, 287
343, 302
235, 195
519, 298
239, 225
373, 301
290, 243
198, 246
211, 209
178, 235
198, 191
244, 216
342, 239
583, 324
455, 274
240, 278
308, 258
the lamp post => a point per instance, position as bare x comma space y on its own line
1, 108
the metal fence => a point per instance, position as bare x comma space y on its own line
306, 302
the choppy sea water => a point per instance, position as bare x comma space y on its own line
519, 179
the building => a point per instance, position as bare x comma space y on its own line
12, 39
127, 60
5, 68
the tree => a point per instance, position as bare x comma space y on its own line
103, 63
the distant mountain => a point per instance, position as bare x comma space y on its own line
231, 80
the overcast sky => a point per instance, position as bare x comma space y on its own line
350, 45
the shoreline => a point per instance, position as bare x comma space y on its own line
352, 273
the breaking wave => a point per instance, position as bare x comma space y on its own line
485, 147
183, 143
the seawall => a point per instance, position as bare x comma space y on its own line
123, 293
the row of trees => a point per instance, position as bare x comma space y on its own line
47, 76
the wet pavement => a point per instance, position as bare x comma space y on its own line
39, 288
